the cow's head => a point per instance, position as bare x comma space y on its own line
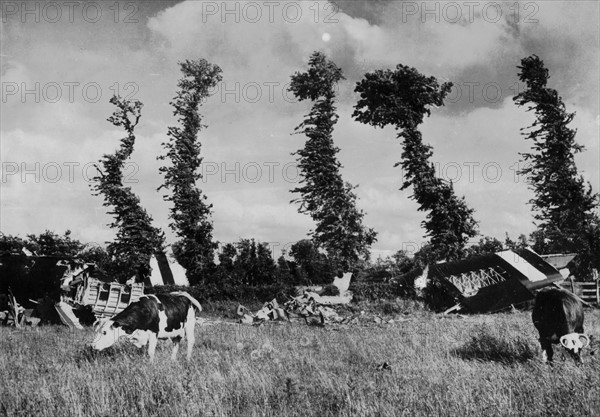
107, 334
574, 343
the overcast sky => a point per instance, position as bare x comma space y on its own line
62, 61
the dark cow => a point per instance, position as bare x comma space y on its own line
152, 317
558, 316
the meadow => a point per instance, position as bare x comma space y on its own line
418, 365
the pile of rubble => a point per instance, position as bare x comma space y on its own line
299, 309
310, 307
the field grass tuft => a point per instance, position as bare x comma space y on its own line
488, 347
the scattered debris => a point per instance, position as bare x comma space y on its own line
343, 282
456, 307
310, 307
269, 311
65, 312
303, 308
16, 315
384, 367
421, 281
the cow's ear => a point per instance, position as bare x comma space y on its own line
584, 340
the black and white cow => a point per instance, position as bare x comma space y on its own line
558, 316
152, 317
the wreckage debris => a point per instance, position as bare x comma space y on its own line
310, 307
104, 298
61, 288
16, 315
384, 367
493, 282
298, 309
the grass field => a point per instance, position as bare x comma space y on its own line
450, 366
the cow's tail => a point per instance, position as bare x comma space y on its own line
194, 302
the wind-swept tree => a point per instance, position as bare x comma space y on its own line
324, 195
402, 98
190, 213
563, 203
137, 240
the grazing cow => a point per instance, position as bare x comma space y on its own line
558, 316
152, 317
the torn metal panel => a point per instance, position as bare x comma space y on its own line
65, 312
330, 299
559, 260
498, 297
492, 282
107, 298
343, 282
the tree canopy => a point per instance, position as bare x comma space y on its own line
563, 203
136, 240
402, 98
190, 213
330, 201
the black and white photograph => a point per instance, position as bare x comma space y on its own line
299, 208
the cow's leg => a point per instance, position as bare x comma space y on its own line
189, 334
547, 352
176, 341
152, 340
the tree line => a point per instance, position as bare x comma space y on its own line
563, 204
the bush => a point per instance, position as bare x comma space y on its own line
330, 290
243, 294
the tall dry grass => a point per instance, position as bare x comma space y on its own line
448, 366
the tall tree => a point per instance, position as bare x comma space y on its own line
563, 203
402, 98
329, 200
190, 213
136, 238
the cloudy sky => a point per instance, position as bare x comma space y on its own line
62, 61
